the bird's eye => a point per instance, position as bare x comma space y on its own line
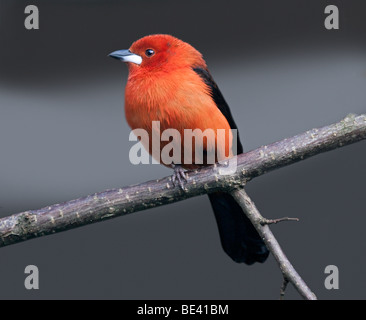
149, 52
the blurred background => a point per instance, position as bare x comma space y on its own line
63, 135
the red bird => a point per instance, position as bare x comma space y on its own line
169, 82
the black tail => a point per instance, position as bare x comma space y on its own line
239, 238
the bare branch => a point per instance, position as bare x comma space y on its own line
265, 221
288, 271
118, 202
283, 288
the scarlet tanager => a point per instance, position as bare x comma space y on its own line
169, 82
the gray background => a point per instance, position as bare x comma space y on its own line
63, 135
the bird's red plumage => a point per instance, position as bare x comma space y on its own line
165, 88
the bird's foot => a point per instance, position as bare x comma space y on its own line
179, 176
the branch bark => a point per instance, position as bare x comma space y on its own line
118, 202
288, 271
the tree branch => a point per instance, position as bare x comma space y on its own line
288, 271
118, 202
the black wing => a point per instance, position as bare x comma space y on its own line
219, 101
238, 236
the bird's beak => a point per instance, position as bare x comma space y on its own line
126, 56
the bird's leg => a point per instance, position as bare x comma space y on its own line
178, 175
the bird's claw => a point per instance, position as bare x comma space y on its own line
179, 176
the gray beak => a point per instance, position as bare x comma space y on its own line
126, 56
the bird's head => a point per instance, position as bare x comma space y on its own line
159, 52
